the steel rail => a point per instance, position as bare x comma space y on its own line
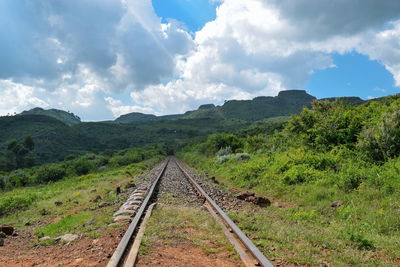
123, 244
262, 260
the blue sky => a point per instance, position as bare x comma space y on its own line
193, 13
354, 74
101, 59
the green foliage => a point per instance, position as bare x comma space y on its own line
83, 166
224, 152
383, 140
223, 159
219, 141
361, 242
50, 173
18, 155
16, 202
327, 125
241, 156
299, 174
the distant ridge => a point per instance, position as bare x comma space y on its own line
286, 103
61, 115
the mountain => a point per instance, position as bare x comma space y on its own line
286, 103
54, 140
57, 133
135, 117
61, 115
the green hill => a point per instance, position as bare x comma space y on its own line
64, 116
54, 140
286, 103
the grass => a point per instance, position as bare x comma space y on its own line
364, 231
171, 223
79, 213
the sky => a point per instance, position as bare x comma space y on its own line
101, 59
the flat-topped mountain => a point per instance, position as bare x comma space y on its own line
284, 104
135, 117
61, 115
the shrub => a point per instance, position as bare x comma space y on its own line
127, 158
242, 156
361, 242
215, 142
50, 173
224, 151
11, 203
299, 174
19, 178
83, 166
223, 159
382, 141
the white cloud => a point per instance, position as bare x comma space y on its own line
119, 109
16, 97
259, 47
77, 54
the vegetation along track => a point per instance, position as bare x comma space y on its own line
173, 178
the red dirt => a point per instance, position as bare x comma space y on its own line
20, 251
184, 254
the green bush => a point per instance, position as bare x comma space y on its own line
19, 178
215, 142
361, 242
223, 159
224, 151
241, 156
12, 203
83, 166
299, 174
50, 173
382, 141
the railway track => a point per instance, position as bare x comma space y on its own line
127, 250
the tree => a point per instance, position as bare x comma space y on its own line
18, 154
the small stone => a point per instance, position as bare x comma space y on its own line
3, 235
245, 195
104, 204
58, 203
14, 234
130, 185
214, 180
262, 201
89, 222
44, 238
337, 203
68, 237
8, 230
124, 212
122, 218
97, 198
